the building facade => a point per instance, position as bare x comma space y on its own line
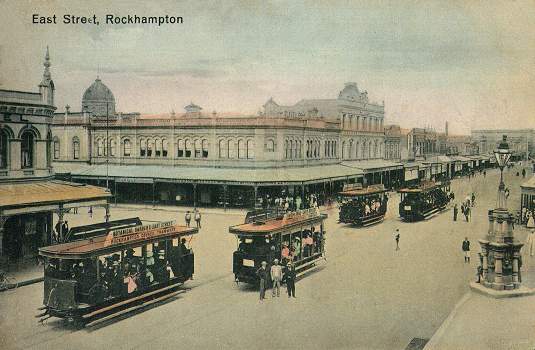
293, 148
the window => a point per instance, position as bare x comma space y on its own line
187, 148
56, 147
198, 149
241, 149
165, 147
223, 147
205, 148
3, 148
142, 148
299, 154
27, 149
127, 148
75, 148
250, 149
150, 147
100, 148
158, 151
112, 147
231, 149
270, 146
180, 148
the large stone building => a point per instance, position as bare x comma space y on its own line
521, 141
208, 158
28, 194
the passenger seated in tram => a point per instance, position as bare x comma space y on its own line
297, 248
285, 253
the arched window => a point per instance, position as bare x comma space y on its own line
231, 149
27, 149
343, 149
270, 146
205, 148
187, 148
299, 149
350, 152
158, 148
241, 149
150, 147
286, 149
165, 148
112, 147
375, 149
142, 148
369, 149
198, 149
56, 145
75, 147
250, 149
180, 148
127, 148
3, 148
100, 147
223, 148
357, 150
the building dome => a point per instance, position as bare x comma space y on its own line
98, 99
350, 92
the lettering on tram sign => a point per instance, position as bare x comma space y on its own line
139, 232
302, 214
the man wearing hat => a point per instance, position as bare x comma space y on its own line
289, 276
263, 276
276, 277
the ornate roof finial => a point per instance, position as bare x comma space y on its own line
46, 74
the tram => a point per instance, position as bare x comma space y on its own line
363, 206
106, 275
424, 200
267, 235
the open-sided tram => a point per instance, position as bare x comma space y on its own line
268, 235
363, 206
418, 203
115, 272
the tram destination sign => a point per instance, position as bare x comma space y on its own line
139, 232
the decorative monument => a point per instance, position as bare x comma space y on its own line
500, 251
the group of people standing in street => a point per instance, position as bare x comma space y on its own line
196, 215
277, 275
466, 208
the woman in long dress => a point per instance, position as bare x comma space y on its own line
531, 223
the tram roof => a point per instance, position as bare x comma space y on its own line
423, 187
278, 225
116, 240
363, 191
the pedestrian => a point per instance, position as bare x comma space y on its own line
198, 218
65, 228
289, 275
396, 237
467, 213
484, 173
262, 274
90, 212
523, 173
466, 250
276, 277
473, 199
530, 222
529, 247
455, 212
188, 218
75, 210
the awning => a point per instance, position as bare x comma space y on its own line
37, 196
374, 165
212, 175
528, 186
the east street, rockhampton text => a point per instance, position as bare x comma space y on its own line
107, 19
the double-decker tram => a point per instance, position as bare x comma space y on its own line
363, 206
424, 200
91, 279
266, 235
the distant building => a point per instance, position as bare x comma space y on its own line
521, 141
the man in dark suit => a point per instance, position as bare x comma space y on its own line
289, 276
263, 275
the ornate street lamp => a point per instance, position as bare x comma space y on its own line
500, 251
502, 155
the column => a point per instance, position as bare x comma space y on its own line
107, 213
255, 188
225, 188
498, 272
60, 213
516, 281
485, 263
195, 195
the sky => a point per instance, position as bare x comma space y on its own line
471, 63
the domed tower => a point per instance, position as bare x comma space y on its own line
98, 100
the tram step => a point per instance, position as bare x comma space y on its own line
128, 301
133, 308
